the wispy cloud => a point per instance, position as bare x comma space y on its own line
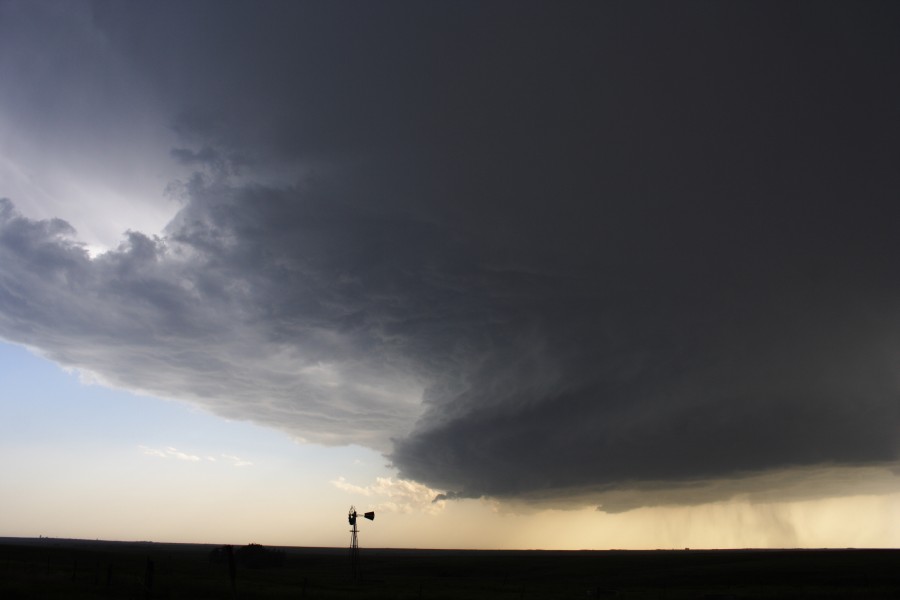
169, 452
237, 461
175, 453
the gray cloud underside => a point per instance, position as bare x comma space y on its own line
772, 486
526, 253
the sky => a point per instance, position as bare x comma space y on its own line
511, 274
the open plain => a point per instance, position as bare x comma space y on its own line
56, 568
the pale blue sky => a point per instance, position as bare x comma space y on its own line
60, 437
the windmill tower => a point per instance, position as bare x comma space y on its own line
354, 540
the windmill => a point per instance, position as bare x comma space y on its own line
354, 539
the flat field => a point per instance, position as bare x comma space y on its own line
53, 568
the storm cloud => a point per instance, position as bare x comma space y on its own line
526, 251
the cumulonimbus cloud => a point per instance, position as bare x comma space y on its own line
534, 274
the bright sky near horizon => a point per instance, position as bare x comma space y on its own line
510, 274
83, 461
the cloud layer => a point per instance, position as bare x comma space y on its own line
524, 251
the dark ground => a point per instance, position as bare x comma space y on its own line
53, 568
